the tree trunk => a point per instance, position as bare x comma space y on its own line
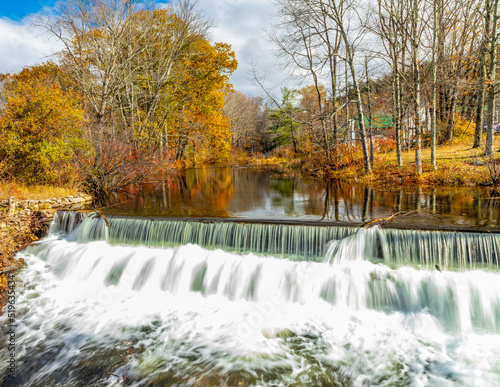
361, 118
398, 118
489, 148
370, 121
416, 87
294, 142
451, 115
334, 102
480, 100
434, 87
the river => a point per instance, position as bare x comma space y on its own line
227, 277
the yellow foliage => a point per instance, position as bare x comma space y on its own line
39, 124
464, 127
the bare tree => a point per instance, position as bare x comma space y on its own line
306, 45
457, 49
339, 12
481, 89
415, 30
392, 17
247, 122
491, 15
435, 19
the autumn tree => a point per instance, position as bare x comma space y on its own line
152, 85
150, 97
201, 127
100, 41
40, 125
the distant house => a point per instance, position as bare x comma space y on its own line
379, 121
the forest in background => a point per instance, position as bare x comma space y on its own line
139, 91
386, 74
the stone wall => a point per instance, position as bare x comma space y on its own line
23, 221
28, 207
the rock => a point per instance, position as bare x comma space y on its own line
12, 206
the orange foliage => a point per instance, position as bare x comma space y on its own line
201, 97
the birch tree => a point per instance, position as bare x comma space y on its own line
491, 15
414, 31
435, 19
339, 11
389, 24
482, 81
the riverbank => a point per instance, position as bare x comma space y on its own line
34, 192
24, 221
458, 164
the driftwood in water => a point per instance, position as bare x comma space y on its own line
99, 215
383, 221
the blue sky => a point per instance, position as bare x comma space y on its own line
240, 23
18, 9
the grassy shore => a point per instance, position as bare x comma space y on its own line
35, 192
457, 164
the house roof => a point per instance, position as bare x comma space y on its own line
380, 121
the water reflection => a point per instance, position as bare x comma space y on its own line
243, 193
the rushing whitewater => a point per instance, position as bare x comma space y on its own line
96, 310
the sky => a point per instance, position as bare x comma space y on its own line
241, 23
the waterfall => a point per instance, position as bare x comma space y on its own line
166, 303
353, 283
65, 222
302, 242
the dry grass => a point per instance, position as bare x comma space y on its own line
458, 164
35, 192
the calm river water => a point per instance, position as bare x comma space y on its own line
241, 193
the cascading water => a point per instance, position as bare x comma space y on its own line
301, 242
151, 308
65, 222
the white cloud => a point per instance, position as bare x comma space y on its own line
22, 45
241, 23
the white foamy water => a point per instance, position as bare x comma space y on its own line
197, 317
